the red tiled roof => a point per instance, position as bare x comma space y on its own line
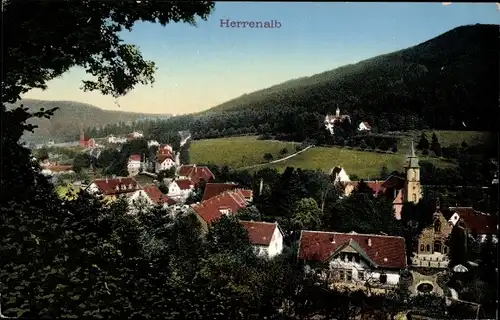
376, 186
58, 168
385, 251
135, 157
184, 184
394, 182
213, 189
157, 196
259, 233
108, 186
196, 173
164, 156
477, 222
208, 210
247, 193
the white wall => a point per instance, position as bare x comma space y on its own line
373, 274
176, 193
165, 165
92, 188
276, 245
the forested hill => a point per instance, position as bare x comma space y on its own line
441, 83
448, 83
66, 121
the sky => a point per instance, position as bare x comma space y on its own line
203, 66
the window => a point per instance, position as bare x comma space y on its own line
383, 278
422, 247
437, 226
356, 258
445, 249
414, 197
437, 246
341, 274
428, 248
361, 275
349, 275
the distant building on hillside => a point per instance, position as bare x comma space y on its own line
332, 120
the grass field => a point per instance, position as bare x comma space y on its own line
445, 138
236, 152
62, 191
364, 164
239, 152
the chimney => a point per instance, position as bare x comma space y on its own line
261, 186
106, 179
332, 239
120, 179
369, 242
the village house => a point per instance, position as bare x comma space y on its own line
157, 197
165, 149
214, 189
339, 176
353, 260
112, 188
113, 139
474, 223
153, 143
195, 173
398, 188
135, 135
180, 189
226, 203
265, 237
134, 164
364, 126
164, 161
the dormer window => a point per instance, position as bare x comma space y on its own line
124, 187
117, 188
130, 186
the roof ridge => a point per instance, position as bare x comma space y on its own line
351, 234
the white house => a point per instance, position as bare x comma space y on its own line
134, 164
153, 143
113, 139
266, 237
180, 190
136, 135
339, 175
164, 161
353, 259
364, 126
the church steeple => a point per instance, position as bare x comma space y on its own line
413, 190
412, 159
337, 112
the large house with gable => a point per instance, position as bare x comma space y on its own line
353, 260
164, 161
134, 164
113, 188
399, 188
157, 197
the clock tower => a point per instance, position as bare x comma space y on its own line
413, 189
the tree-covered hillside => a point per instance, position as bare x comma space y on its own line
65, 124
447, 83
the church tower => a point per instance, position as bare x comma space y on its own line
337, 113
413, 189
